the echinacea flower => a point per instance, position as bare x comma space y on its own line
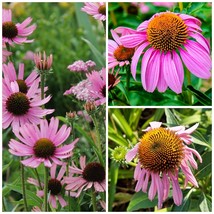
97, 10
43, 62
165, 42
42, 144
10, 74
55, 186
161, 153
98, 86
20, 108
88, 176
118, 55
15, 33
5, 54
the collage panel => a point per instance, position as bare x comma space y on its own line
159, 53
160, 159
54, 107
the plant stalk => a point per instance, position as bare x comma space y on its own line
46, 189
23, 186
93, 198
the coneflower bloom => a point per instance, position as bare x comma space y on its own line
5, 54
118, 55
15, 33
43, 144
55, 186
98, 86
160, 153
20, 108
10, 74
165, 42
43, 62
97, 10
88, 176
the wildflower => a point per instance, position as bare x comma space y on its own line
161, 152
97, 10
43, 63
98, 86
5, 54
117, 53
10, 74
90, 175
15, 33
113, 79
81, 66
55, 186
43, 144
20, 108
160, 39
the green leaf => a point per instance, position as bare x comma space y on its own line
194, 7
30, 195
140, 200
202, 98
123, 90
205, 204
5, 167
99, 57
205, 167
170, 117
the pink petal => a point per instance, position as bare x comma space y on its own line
131, 153
132, 40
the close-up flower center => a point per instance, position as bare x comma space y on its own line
54, 186
102, 9
160, 150
9, 30
122, 53
22, 86
94, 172
18, 104
166, 32
44, 148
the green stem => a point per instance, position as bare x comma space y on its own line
189, 83
128, 75
23, 186
4, 209
104, 26
37, 176
42, 86
46, 189
180, 6
9, 49
93, 198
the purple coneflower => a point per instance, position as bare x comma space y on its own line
11, 76
43, 62
165, 42
43, 144
161, 152
117, 53
15, 33
97, 10
89, 175
20, 108
55, 186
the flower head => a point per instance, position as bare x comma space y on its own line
81, 66
97, 10
11, 76
15, 33
164, 42
43, 63
161, 152
20, 108
91, 174
43, 144
55, 186
117, 53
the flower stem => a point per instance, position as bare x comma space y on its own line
93, 198
23, 186
104, 26
46, 189
128, 74
189, 83
180, 6
37, 176
9, 49
4, 209
42, 75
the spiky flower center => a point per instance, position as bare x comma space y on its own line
102, 10
103, 91
160, 150
94, 172
167, 31
18, 104
44, 148
54, 186
22, 86
122, 53
9, 30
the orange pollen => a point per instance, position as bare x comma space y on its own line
122, 53
167, 32
160, 150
